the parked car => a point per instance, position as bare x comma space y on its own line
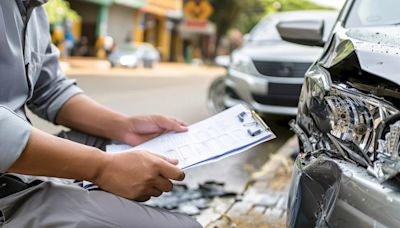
267, 72
133, 55
348, 125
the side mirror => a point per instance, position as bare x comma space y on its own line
308, 32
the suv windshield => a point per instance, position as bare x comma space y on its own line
374, 13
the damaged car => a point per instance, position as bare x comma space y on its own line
348, 121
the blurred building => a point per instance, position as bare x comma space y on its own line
197, 32
157, 24
151, 21
179, 29
100, 18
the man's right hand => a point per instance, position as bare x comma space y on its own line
138, 175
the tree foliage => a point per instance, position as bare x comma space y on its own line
252, 11
272, 6
59, 10
225, 14
244, 14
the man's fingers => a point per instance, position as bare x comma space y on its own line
155, 192
170, 171
180, 122
143, 198
170, 160
170, 124
163, 184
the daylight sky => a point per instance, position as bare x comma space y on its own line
335, 3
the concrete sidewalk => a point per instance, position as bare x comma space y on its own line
97, 67
263, 203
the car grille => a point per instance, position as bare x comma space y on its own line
280, 95
282, 69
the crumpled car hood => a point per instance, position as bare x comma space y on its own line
377, 50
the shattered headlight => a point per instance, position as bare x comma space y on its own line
346, 123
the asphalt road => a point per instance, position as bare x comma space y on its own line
184, 98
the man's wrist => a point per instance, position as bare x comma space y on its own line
99, 162
121, 128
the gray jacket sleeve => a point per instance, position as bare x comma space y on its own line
52, 89
13, 144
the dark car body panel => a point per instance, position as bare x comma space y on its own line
329, 192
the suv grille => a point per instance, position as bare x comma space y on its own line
282, 69
280, 95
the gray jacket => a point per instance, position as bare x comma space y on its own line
30, 75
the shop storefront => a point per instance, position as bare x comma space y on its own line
113, 19
197, 32
156, 24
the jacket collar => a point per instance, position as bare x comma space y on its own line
27, 10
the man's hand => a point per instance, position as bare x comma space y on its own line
83, 114
138, 129
138, 175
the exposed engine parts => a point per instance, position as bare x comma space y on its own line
364, 130
390, 145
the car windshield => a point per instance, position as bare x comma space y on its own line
374, 13
266, 30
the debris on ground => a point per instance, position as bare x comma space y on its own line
264, 201
191, 201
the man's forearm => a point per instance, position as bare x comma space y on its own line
136, 175
84, 114
47, 155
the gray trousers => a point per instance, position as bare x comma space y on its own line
49, 204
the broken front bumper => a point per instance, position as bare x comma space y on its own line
328, 192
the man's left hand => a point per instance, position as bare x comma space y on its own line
139, 129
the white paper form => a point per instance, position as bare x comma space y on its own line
227, 133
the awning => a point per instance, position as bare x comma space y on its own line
197, 27
165, 8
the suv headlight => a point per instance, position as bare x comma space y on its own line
345, 122
242, 63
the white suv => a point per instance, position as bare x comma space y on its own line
267, 72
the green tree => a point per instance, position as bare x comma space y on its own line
225, 14
251, 12
60, 10
272, 6
244, 14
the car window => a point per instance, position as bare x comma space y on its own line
374, 13
265, 30
128, 47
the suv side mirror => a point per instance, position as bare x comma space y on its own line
309, 32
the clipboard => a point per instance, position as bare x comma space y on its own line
225, 134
